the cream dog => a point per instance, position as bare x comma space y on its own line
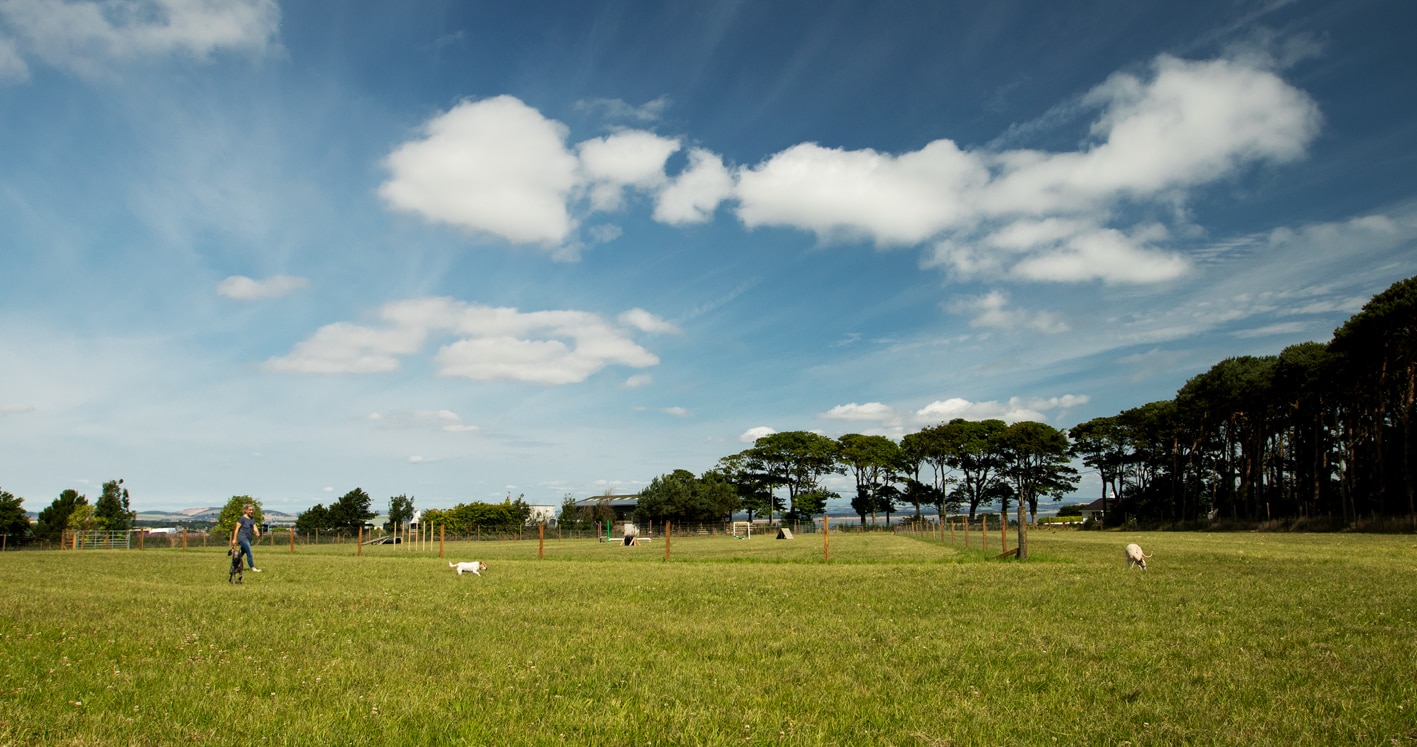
476, 566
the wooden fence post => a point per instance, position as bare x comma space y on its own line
984, 532
360, 550
966, 532
826, 538
184, 538
1022, 534
667, 534
540, 540
292, 540
1003, 532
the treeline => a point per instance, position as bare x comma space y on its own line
1319, 430
353, 511
70, 510
349, 513
955, 466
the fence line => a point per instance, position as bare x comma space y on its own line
932, 527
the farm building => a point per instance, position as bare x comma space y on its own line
1094, 511
622, 505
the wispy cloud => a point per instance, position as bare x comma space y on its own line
441, 420
88, 37
242, 288
992, 311
541, 347
868, 412
619, 111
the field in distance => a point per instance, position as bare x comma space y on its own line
1228, 639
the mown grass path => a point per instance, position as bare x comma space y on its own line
1229, 639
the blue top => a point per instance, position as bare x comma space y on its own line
246, 527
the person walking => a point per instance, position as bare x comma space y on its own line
245, 531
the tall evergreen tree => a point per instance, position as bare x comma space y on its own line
13, 521
112, 510
54, 518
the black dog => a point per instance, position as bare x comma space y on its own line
237, 567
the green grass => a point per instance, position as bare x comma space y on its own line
1229, 639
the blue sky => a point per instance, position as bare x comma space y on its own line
460, 250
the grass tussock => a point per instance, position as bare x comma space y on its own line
1227, 640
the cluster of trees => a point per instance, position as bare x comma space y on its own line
1319, 430
952, 466
466, 518
680, 496
112, 511
349, 513
13, 521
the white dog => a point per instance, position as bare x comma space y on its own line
1135, 557
476, 566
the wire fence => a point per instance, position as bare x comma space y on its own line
614, 531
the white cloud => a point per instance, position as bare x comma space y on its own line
89, 37
678, 412
694, 195
1037, 215
495, 166
633, 158
1104, 254
892, 200
992, 311
638, 380
647, 322
753, 434
1191, 123
242, 288
16, 409
1015, 410
543, 347
441, 420
868, 412
498, 166
342, 347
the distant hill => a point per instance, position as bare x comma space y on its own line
207, 515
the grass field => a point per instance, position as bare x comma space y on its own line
1229, 639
